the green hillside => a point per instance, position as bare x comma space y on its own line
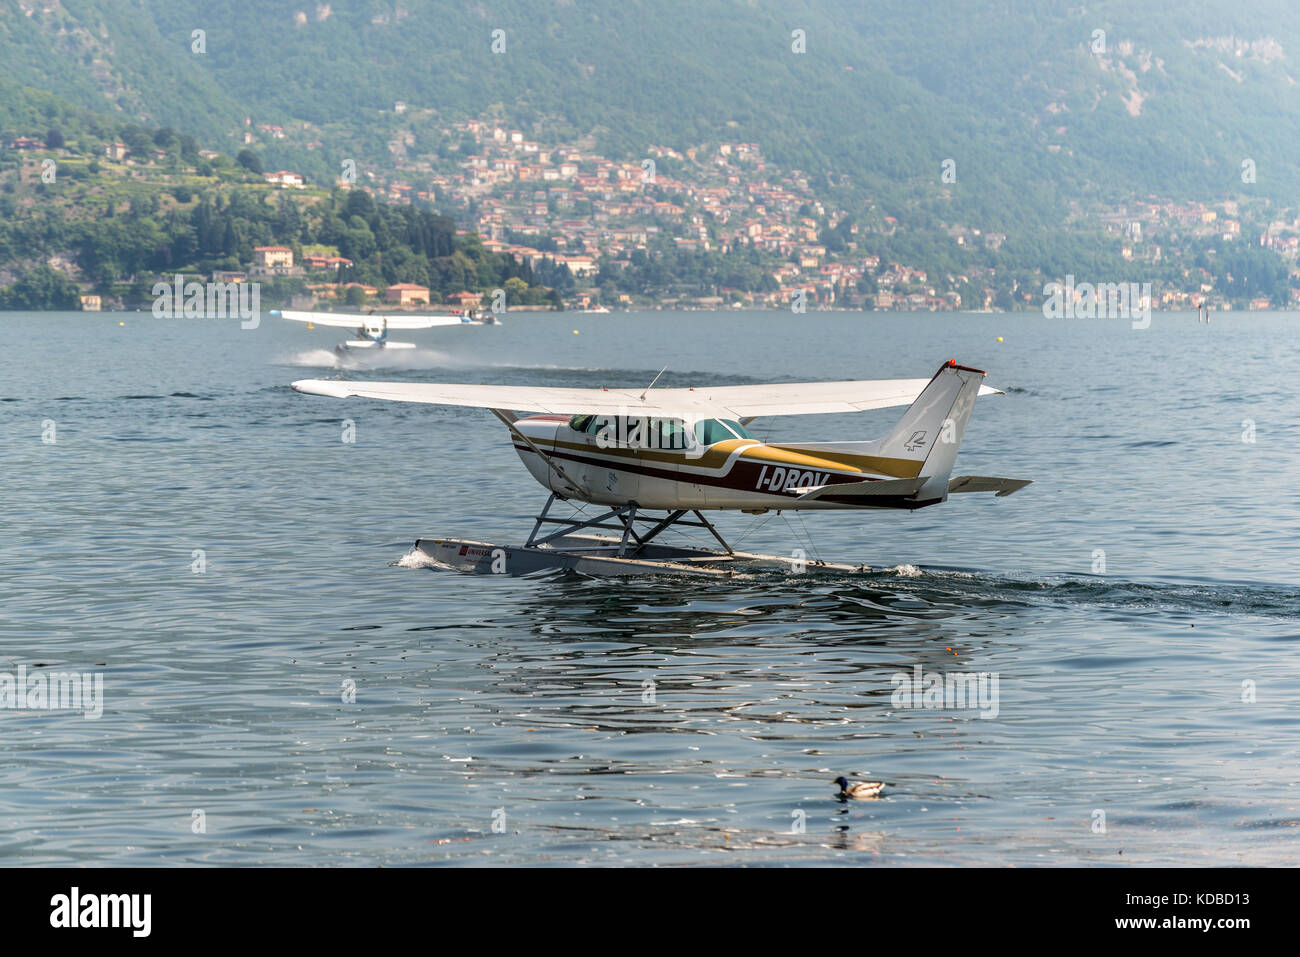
163, 208
1012, 91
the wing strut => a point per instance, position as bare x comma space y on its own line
627, 518
555, 466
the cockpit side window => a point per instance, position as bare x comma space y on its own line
740, 430
654, 432
671, 434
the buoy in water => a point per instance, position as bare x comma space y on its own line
999, 338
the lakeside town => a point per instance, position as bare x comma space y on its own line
592, 215
595, 231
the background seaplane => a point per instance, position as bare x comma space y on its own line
371, 331
680, 451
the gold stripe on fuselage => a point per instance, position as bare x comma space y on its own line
716, 456
874, 464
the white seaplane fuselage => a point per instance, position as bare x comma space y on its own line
735, 472
372, 336
680, 463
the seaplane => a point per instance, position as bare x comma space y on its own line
371, 331
658, 459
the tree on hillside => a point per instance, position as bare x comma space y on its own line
359, 203
41, 288
516, 290
250, 161
137, 139
54, 140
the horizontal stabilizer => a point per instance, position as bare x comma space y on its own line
984, 483
868, 489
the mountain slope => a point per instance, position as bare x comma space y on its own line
1015, 93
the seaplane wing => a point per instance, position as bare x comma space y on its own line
726, 402
811, 398
356, 321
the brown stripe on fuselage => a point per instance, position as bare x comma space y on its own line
743, 476
715, 457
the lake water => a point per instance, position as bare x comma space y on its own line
1145, 713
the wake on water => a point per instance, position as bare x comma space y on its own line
417, 359
945, 586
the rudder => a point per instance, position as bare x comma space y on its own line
931, 429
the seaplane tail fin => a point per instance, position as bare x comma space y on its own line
931, 429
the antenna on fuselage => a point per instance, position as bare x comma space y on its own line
652, 382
